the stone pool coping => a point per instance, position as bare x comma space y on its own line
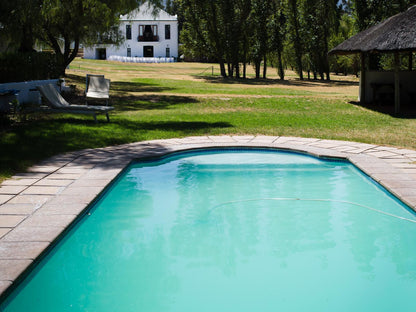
37, 206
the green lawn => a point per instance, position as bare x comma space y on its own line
177, 100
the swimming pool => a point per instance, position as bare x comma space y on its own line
232, 230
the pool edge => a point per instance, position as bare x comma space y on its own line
82, 176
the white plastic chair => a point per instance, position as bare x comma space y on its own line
97, 87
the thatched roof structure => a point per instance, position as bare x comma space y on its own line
395, 34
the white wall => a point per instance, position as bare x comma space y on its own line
27, 90
159, 47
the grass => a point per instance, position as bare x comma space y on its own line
155, 101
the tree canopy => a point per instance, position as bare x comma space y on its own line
287, 33
294, 34
61, 24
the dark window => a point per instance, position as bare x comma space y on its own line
129, 52
167, 31
128, 32
148, 33
167, 52
148, 51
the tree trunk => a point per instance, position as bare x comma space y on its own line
26, 43
257, 65
280, 66
222, 69
237, 70
297, 43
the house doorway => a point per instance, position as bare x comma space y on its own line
148, 51
101, 54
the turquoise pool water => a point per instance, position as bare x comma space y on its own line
229, 230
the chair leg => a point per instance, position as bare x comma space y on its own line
108, 117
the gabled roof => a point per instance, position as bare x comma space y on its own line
146, 12
397, 33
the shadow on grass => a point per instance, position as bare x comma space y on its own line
149, 102
75, 78
127, 102
28, 143
406, 111
184, 127
264, 82
123, 86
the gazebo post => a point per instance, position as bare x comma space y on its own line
362, 79
396, 82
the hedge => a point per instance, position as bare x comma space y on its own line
16, 67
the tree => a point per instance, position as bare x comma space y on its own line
261, 11
203, 31
369, 12
63, 24
321, 20
217, 30
277, 26
19, 21
294, 27
341, 63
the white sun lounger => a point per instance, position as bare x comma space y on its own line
57, 104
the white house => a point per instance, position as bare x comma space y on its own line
148, 35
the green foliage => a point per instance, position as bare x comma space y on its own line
370, 12
293, 33
61, 24
344, 64
16, 67
20, 23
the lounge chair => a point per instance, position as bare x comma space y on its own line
97, 87
58, 104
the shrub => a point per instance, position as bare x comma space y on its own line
16, 67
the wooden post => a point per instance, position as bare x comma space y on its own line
362, 79
396, 83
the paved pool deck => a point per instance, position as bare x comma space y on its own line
37, 206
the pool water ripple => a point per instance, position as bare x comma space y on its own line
233, 231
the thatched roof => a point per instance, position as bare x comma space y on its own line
397, 33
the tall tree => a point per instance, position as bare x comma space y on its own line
204, 32
261, 11
321, 19
277, 26
295, 34
217, 29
